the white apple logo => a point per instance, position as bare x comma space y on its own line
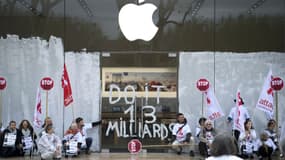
136, 22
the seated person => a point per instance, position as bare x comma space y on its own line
86, 141
247, 140
265, 146
10, 141
47, 121
72, 137
206, 138
28, 136
271, 132
181, 134
201, 126
50, 144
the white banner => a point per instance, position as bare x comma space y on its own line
214, 110
265, 100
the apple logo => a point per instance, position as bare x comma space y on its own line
136, 21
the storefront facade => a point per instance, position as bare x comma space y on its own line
195, 39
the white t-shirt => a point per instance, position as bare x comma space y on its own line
181, 134
83, 134
269, 143
238, 120
224, 157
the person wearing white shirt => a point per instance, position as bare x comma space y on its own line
72, 137
237, 117
223, 148
265, 146
206, 137
247, 140
181, 134
201, 126
86, 141
271, 132
49, 144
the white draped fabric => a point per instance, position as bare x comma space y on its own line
226, 71
24, 62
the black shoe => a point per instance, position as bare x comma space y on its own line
87, 152
180, 151
192, 154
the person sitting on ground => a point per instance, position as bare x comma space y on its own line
206, 138
247, 140
201, 126
10, 141
72, 136
50, 144
271, 132
47, 121
181, 134
86, 142
28, 136
265, 146
223, 148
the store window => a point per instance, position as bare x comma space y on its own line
139, 98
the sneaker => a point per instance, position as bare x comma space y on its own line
192, 154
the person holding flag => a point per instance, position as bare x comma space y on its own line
237, 116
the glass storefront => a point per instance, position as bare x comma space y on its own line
130, 108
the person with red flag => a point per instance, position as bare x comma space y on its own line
67, 92
238, 115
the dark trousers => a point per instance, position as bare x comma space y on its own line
203, 149
265, 151
89, 141
236, 134
10, 152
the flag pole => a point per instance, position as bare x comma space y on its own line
46, 103
203, 105
1, 102
276, 112
72, 108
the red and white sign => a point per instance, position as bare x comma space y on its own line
203, 84
265, 100
277, 83
46, 83
134, 146
214, 110
3, 83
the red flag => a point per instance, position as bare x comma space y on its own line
38, 110
65, 83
